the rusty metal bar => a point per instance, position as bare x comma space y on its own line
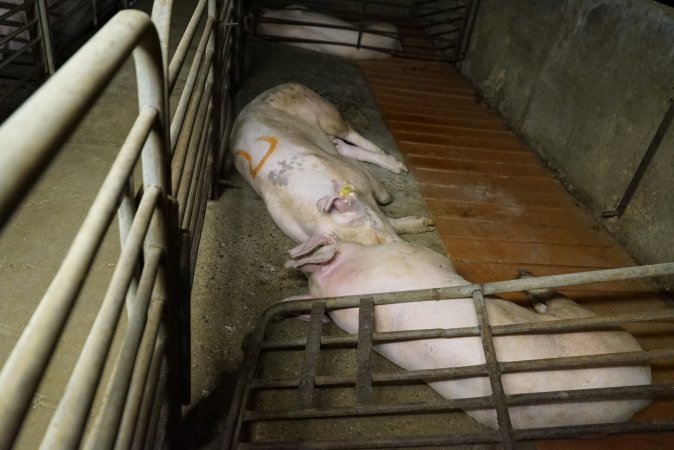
365, 350
369, 410
436, 406
493, 367
378, 377
487, 437
377, 336
305, 392
499, 287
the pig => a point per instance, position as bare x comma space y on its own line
348, 268
382, 35
294, 149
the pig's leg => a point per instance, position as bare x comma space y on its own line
411, 224
552, 303
359, 140
359, 154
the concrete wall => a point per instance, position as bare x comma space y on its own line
586, 83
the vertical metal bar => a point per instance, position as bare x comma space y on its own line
199, 216
155, 413
67, 424
217, 75
365, 330
106, 423
361, 23
189, 195
186, 129
468, 29
305, 391
644, 163
188, 89
149, 391
125, 213
45, 34
183, 46
140, 376
498, 394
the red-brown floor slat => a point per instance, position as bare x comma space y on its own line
498, 208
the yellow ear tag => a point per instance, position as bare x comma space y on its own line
345, 189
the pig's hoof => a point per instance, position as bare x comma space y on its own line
412, 224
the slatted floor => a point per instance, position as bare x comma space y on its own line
498, 208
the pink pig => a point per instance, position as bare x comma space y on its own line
348, 268
293, 148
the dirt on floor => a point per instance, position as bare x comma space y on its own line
240, 269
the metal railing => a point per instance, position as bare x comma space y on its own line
435, 30
160, 223
305, 398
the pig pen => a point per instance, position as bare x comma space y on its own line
491, 198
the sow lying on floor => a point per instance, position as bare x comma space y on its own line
293, 148
348, 268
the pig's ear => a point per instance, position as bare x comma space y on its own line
337, 202
312, 262
313, 243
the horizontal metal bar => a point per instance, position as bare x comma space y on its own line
484, 437
6, 62
595, 430
499, 287
19, 30
34, 133
588, 361
270, 37
378, 377
369, 410
610, 393
16, 9
440, 11
584, 323
378, 337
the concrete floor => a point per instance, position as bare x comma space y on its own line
240, 266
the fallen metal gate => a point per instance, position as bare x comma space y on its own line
160, 224
300, 383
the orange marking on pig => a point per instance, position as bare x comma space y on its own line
272, 141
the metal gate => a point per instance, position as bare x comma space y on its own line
160, 222
427, 29
300, 383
